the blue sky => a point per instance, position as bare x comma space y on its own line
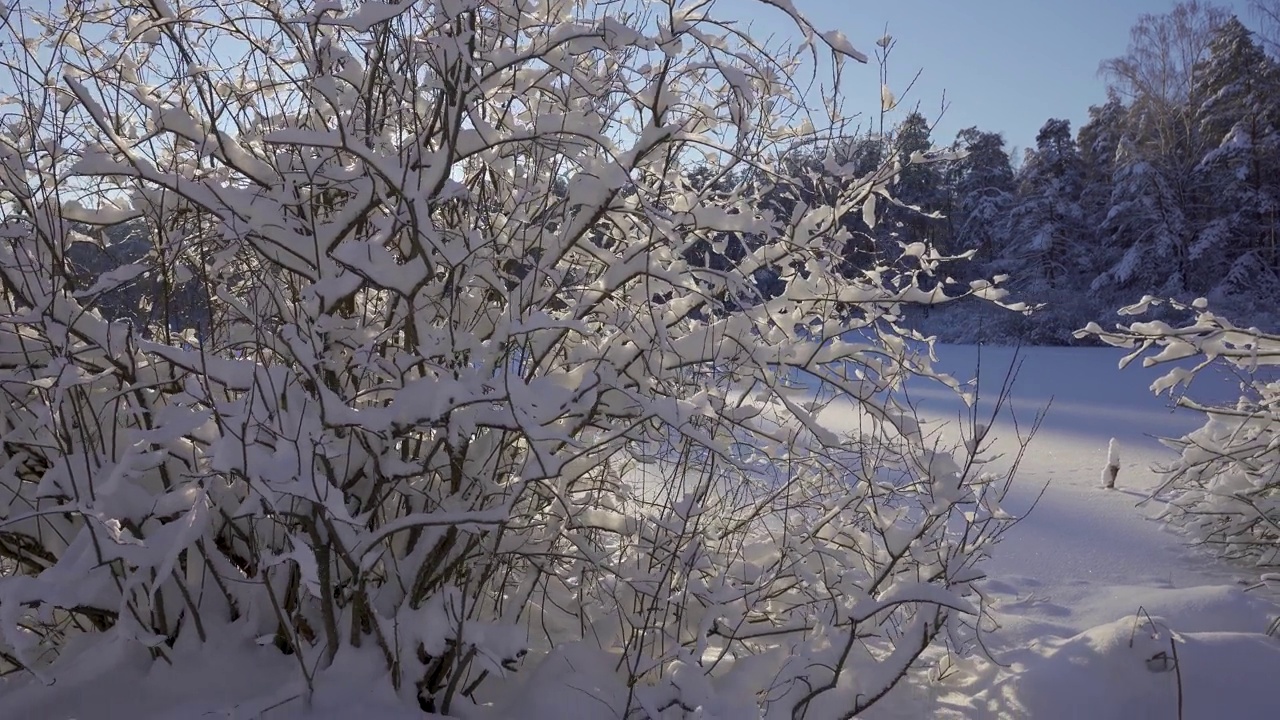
1005, 65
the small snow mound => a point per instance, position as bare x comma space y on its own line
1125, 669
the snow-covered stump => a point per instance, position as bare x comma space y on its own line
1112, 468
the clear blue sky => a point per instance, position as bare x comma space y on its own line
1005, 65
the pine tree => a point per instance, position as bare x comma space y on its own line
1047, 222
1235, 248
918, 186
1099, 141
1145, 232
984, 188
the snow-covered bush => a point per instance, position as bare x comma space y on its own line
460, 396
1224, 488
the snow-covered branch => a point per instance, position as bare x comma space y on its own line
444, 333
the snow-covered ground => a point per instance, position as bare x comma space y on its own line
1066, 585
1065, 590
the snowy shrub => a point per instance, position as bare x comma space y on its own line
460, 398
1224, 489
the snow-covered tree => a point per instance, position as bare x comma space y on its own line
1146, 231
1157, 75
1099, 141
984, 190
919, 186
461, 400
1047, 234
1235, 249
1048, 244
1154, 209
1232, 82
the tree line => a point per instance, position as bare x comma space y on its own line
1171, 188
